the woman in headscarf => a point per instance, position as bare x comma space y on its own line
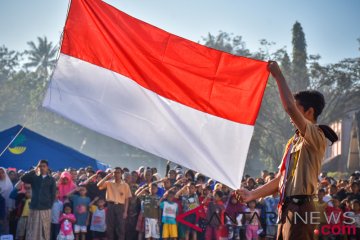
65, 185
6, 187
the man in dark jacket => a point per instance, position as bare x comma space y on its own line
43, 196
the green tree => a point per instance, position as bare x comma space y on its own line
227, 43
8, 62
299, 74
41, 56
285, 64
340, 84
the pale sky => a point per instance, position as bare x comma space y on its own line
331, 26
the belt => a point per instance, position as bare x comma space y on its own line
299, 199
115, 203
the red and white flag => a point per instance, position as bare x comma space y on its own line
177, 99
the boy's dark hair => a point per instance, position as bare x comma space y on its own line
44, 161
102, 174
154, 185
118, 168
336, 197
311, 99
219, 193
355, 201
190, 173
201, 177
321, 190
192, 184
67, 205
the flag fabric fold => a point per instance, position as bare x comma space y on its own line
177, 99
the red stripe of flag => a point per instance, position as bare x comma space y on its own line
202, 78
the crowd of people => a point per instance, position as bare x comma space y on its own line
140, 204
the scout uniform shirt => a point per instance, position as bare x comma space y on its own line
306, 156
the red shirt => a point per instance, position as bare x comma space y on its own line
334, 216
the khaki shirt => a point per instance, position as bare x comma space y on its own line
306, 156
117, 192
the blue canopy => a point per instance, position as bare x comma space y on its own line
29, 147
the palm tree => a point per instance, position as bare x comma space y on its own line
41, 56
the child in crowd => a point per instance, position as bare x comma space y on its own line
189, 201
169, 212
56, 210
216, 228
335, 216
151, 211
320, 206
25, 210
252, 217
234, 218
81, 210
133, 213
66, 224
355, 207
2, 214
98, 219
270, 206
140, 224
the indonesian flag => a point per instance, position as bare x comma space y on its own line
177, 99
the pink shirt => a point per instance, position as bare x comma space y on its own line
67, 221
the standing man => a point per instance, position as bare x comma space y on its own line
43, 196
300, 167
117, 197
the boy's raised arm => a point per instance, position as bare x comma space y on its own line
287, 97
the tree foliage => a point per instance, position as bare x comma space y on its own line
299, 73
41, 56
9, 60
340, 83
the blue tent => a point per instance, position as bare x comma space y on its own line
29, 147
